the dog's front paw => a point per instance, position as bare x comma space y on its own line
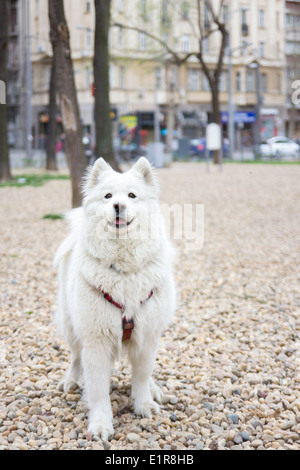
102, 428
68, 384
155, 391
146, 408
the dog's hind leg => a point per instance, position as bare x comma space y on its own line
74, 375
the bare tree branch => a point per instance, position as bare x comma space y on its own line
176, 57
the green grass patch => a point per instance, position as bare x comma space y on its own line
33, 180
53, 216
264, 162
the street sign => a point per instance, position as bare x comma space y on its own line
244, 117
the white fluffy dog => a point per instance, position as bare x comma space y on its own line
116, 287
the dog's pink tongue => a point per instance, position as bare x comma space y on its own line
120, 221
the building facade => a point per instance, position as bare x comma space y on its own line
143, 77
15, 89
292, 69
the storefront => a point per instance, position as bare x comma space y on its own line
244, 128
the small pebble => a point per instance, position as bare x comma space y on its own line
234, 418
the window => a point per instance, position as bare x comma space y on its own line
13, 56
261, 48
206, 14
223, 81
120, 6
225, 14
158, 78
206, 86
143, 9
278, 80
174, 76
88, 77
245, 28
120, 37
88, 38
261, 18
205, 45
238, 81
165, 13
244, 16
264, 82
250, 81
111, 75
185, 43
143, 41
193, 79
292, 47
121, 77
185, 10
13, 18
292, 21
88, 6
165, 38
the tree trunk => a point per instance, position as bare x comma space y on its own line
170, 110
5, 173
59, 36
104, 147
216, 117
51, 163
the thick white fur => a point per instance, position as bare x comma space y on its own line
128, 268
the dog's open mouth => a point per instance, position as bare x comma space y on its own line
119, 222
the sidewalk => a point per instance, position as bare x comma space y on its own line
19, 159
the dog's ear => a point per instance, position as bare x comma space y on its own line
98, 168
143, 167
92, 176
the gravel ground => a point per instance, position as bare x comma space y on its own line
229, 363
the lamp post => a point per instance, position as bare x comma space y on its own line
231, 124
231, 133
156, 111
255, 65
28, 128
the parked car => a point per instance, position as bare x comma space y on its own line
280, 146
197, 147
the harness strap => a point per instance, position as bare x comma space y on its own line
127, 325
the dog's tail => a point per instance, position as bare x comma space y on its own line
74, 217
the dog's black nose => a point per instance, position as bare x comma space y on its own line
119, 208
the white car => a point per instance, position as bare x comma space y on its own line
280, 147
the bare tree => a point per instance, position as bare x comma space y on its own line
51, 163
59, 36
213, 74
104, 146
201, 30
5, 173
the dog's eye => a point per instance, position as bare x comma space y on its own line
132, 196
108, 196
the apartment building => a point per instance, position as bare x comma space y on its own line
142, 76
292, 83
15, 89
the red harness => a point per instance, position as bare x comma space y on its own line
128, 325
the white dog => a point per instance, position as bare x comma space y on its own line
116, 287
